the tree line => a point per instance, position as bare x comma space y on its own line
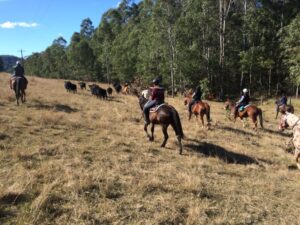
224, 45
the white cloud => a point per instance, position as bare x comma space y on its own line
11, 25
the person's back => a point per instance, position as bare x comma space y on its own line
283, 100
195, 98
197, 94
18, 72
157, 96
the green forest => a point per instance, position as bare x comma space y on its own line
224, 45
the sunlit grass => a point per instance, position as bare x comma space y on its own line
74, 159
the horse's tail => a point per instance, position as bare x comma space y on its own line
18, 88
177, 124
261, 121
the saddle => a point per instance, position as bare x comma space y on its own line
13, 81
242, 108
154, 109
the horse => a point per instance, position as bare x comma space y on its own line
292, 121
289, 108
250, 111
163, 115
19, 87
199, 108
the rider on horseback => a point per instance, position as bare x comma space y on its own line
244, 100
157, 97
18, 72
196, 97
282, 101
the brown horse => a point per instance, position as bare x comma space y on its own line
19, 86
251, 111
164, 115
199, 108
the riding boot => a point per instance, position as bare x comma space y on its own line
146, 119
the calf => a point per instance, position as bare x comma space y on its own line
117, 87
98, 91
109, 91
70, 87
82, 85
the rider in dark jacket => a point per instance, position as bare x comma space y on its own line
18, 72
196, 97
244, 100
157, 97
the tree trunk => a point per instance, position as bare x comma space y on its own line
270, 81
224, 6
297, 91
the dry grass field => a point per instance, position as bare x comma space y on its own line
74, 159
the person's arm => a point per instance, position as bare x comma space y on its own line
242, 98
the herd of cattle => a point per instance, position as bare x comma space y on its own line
95, 89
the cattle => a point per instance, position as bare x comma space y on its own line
117, 87
82, 85
98, 91
109, 90
70, 87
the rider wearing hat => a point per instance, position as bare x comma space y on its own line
244, 100
18, 72
157, 97
196, 97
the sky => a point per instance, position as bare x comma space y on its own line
32, 25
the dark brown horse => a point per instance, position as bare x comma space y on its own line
165, 115
199, 109
19, 87
251, 111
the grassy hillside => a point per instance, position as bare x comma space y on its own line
73, 159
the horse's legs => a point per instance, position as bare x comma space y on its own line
166, 136
152, 132
202, 119
254, 120
23, 96
17, 97
146, 130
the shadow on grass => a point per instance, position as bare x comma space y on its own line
236, 131
56, 107
278, 133
211, 150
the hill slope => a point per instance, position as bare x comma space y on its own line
9, 61
73, 159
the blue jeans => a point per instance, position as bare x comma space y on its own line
150, 104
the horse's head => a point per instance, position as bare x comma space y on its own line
227, 105
187, 97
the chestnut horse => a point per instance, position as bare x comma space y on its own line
164, 115
199, 108
251, 111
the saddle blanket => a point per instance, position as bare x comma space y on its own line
154, 109
242, 108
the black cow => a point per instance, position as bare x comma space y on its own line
117, 87
98, 91
82, 85
109, 91
70, 87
